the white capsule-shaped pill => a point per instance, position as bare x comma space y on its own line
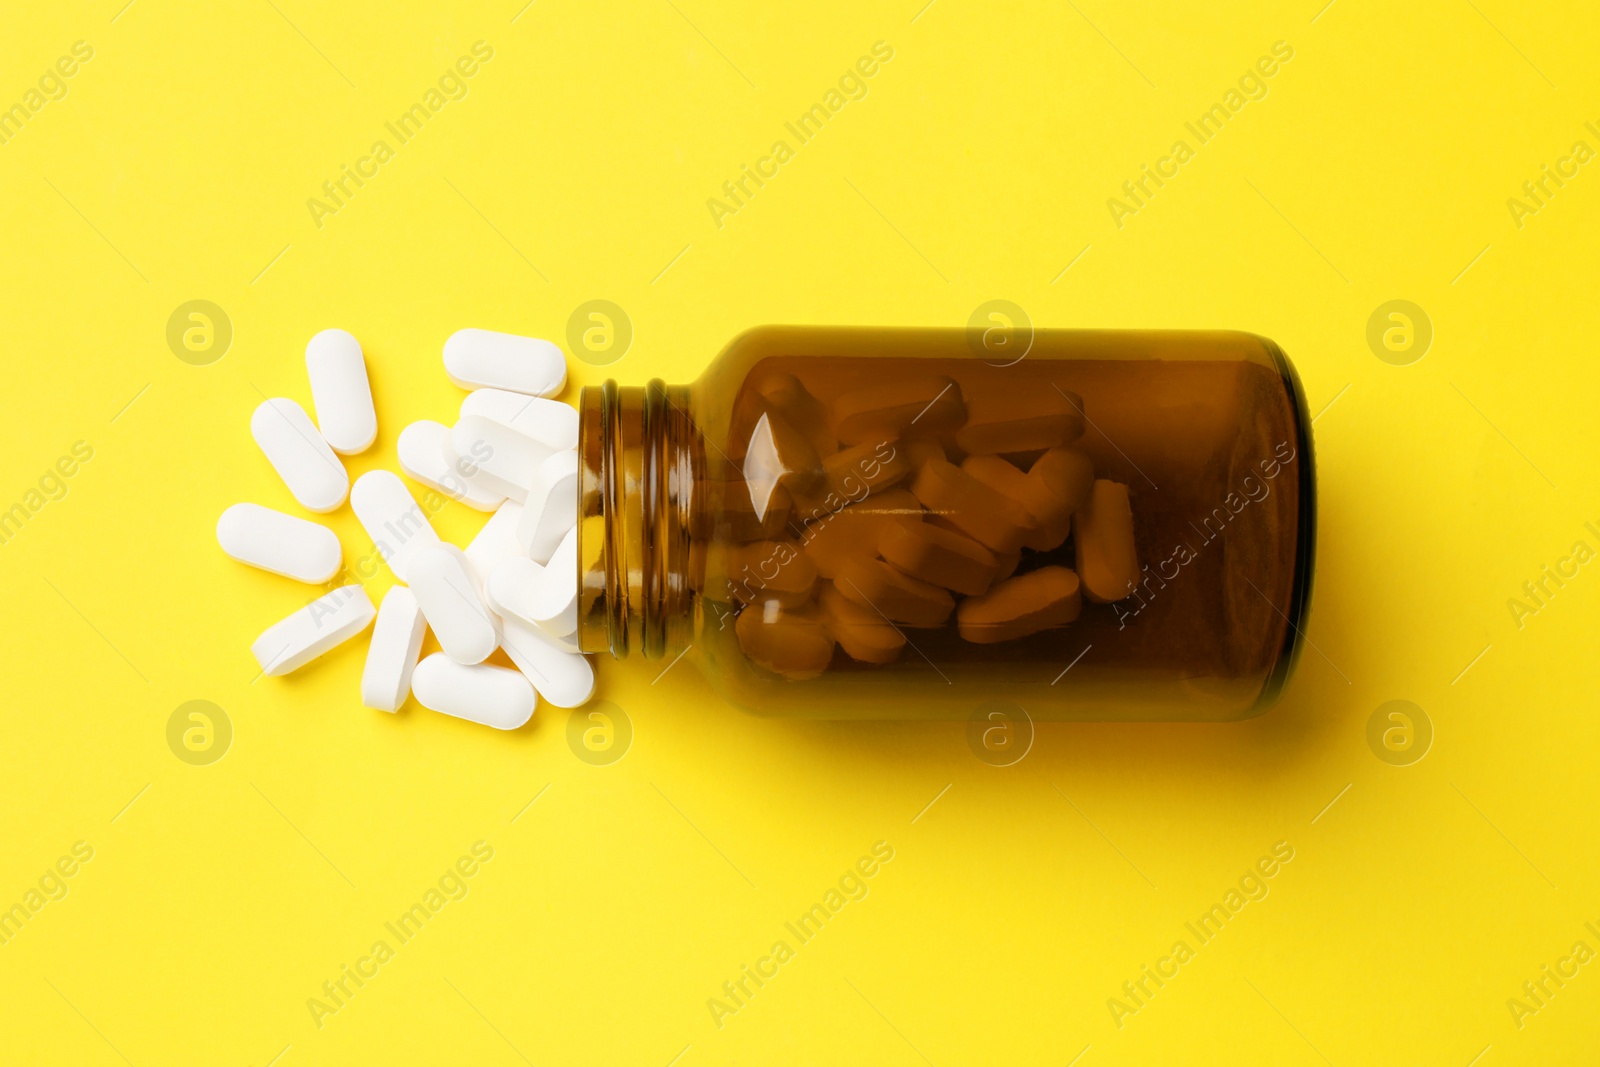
493, 696
299, 454
392, 654
548, 422
484, 359
563, 677
505, 458
496, 542
546, 596
448, 592
392, 519
552, 506
511, 585
283, 544
426, 455
556, 611
322, 625
340, 392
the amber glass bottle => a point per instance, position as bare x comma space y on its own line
891, 523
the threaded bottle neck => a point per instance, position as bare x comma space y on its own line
639, 454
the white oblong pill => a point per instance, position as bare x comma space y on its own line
340, 392
511, 585
299, 454
564, 678
549, 422
448, 593
505, 458
392, 519
493, 696
496, 542
324, 624
546, 596
556, 611
484, 359
552, 506
392, 654
283, 544
426, 455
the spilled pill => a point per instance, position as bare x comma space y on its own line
496, 542
484, 359
392, 654
283, 544
564, 678
509, 590
322, 625
397, 526
426, 455
492, 696
546, 596
547, 422
340, 392
298, 453
447, 592
552, 506
506, 460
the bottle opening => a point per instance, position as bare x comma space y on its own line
638, 453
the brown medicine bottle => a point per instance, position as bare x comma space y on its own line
843, 522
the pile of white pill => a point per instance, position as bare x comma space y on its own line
513, 452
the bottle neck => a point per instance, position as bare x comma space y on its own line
638, 452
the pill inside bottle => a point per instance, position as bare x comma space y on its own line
843, 522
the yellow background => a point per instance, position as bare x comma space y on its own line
978, 166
